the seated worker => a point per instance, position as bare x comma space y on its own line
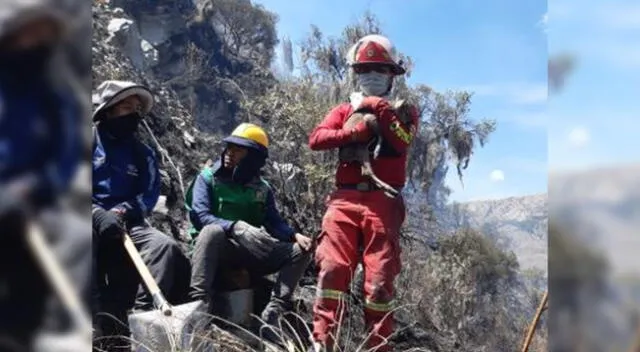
236, 224
126, 187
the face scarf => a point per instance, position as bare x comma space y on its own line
121, 127
374, 83
248, 168
26, 64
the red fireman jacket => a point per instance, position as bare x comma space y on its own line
391, 164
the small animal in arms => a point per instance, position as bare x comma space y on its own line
359, 152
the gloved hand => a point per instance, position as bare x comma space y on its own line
9, 202
361, 133
108, 223
406, 111
374, 104
13, 212
387, 113
255, 240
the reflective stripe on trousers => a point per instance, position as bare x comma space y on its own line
354, 219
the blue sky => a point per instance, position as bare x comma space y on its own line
593, 122
496, 48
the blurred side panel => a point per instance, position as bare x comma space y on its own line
594, 269
45, 228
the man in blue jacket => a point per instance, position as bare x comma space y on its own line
237, 225
126, 187
40, 149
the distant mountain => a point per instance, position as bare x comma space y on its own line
516, 223
601, 206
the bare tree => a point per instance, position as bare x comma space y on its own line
247, 29
287, 54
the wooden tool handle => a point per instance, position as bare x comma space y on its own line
58, 279
534, 323
147, 278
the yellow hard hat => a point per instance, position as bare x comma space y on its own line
250, 136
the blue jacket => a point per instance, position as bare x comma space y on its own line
201, 216
125, 176
40, 137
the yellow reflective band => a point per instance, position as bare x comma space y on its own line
400, 132
331, 294
379, 307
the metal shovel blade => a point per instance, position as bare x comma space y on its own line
153, 331
59, 342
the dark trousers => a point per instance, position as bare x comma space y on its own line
118, 287
214, 253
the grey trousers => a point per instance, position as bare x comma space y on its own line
214, 252
28, 304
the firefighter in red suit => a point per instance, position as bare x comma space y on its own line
358, 214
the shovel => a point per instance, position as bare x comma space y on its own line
81, 338
167, 328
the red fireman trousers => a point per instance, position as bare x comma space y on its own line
355, 218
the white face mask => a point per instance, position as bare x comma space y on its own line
373, 83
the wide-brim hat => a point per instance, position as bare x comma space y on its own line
110, 93
16, 13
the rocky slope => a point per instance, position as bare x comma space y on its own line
182, 147
198, 49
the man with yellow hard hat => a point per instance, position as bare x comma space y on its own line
236, 224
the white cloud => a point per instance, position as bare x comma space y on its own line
496, 176
616, 139
516, 93
579, 137
544, 22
